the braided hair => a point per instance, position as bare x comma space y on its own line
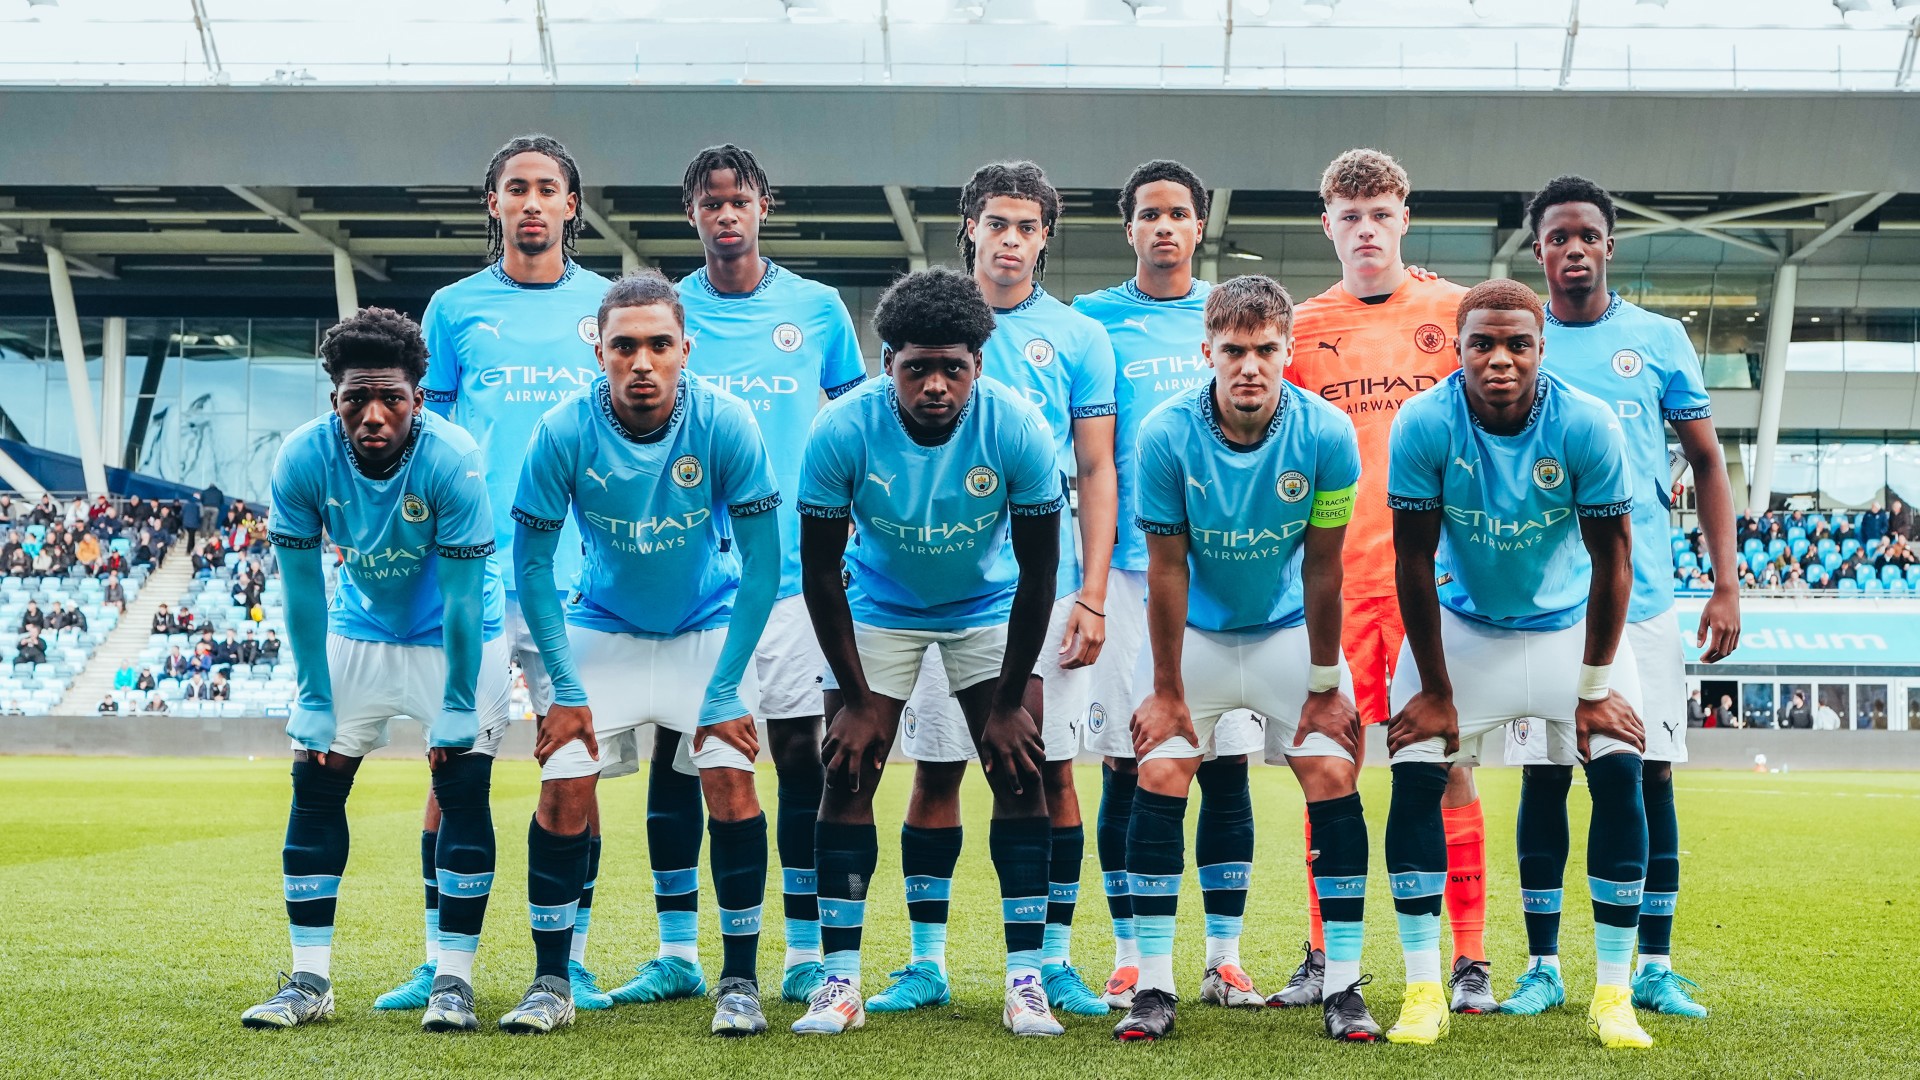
1006, 179
532, 144
746, 172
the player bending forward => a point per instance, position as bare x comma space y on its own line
1511, 498
413, 630
664, 476
1246, 486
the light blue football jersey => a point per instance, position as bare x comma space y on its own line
1244, 510
777, 348
931, 549
390, 532
1156, 351
500, 354
659, 558
1061, 360
1644, 366
1510, 548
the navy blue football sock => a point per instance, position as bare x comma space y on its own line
739, 856
1540, 837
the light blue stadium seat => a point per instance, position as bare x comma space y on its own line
1849, 585
1685, 560
1913, 574
1752, 545
1831, 560
1897, 587
1873, 586
1890, 572
1776, 546
1848, 547
1796, 533
1824, 545
1798, 547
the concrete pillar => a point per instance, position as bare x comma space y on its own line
1773, 383
346, 295
86, 430
113, 389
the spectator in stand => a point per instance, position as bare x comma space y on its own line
45, 512
63, 616
1825, 719
270, 649
202, 564
1795, 580
164, 622
108, 524
107, 705
123, 678
203, 661
220, 689
155, 704
177, 665
1747, 580
32, 617
195, 688
1725, 715
257, 532
19, 563
144, 553
189, 515
1798, 716
43, 561
136, 509
113, 562
1696, 712
1898, 553
185, 620
9, 510
227, 652
13, 708
31, 649
1873, 523
145, 681
249, 649
1797, 520
1900, 519
87, 553
1855, 566
113, 593
100, 506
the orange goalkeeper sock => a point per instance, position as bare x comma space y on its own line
1316, 930
1467, 879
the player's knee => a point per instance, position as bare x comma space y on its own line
1058, 776
1460, 788
730, 793
1321, 778
463, 783
1546, 781
794, 744
1168, 775
1656, 772
1121, 766
938, 782
319, 788
565, 806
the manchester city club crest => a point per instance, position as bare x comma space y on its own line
913, 723
1096, 717
787, 337
413, 508
1430, 338
1547, 474
1521, 729
1039, 352
1627, 363
982, 481
1293, 486
686, 471
589, 330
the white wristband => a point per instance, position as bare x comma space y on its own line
1593, 681
1320, 678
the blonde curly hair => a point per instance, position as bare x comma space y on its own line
1363, 174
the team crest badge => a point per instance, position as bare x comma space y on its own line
1627, 363
787, 337
413, 508
913, 722
1039, 352
1547, 474
686, 471
1293, 486
982, 481
1096, 717
589, 330
1521, 729
1430, 338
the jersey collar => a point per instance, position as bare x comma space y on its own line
1213, 422
603, 401
1613, 305
893, 406
768, 268
353, 456
1541, 388
1131, 288
1033, 298
500, 274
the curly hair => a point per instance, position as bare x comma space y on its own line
374, 338
1363, 174
1009, 180
746, 172
1247, 303
1570, 189
532, 144
642, 288
1161, 169
941, 306
1499, 294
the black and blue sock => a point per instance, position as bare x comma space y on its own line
312, 860
1223, 852
739, 857
927, 859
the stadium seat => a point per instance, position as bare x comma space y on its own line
1686, 561
1796, 533
1752, 545
1873, 586
1848, 547
1776, 546
1849, 585
1831, 560
1798, 548
1897, 587
1889, 572
1913, 574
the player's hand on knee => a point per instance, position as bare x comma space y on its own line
1159, 718
1610, 716
565, 724
1086, 635
1426, 716
739, 733
1010, 747
1330, 713
454, 728
855, 749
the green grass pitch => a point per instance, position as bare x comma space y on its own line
140, 912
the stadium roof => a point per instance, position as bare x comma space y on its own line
1292, 44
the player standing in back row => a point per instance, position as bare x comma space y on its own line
1376, 338
1156, 324
777, 342
1643, 365
503, 346
1061, 362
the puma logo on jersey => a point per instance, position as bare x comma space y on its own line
1670, 728
493, 329
1335, 347
1139, 324
599, 479
1191, 482
1469, 466
885, 485
341, 503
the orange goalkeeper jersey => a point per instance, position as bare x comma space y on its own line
1366, 359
